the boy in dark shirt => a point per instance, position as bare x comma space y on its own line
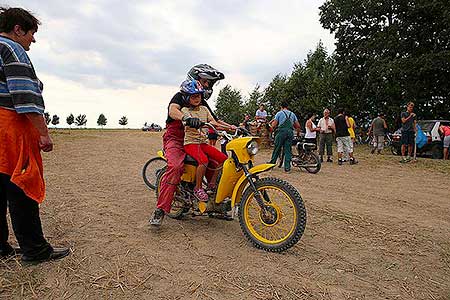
344, 142
408, 131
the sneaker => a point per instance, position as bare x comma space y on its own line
7, 251
329, 160
403, 160
372, 151
353, 161
340, 162
157, 217
201, 194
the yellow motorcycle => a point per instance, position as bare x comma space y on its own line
271, 211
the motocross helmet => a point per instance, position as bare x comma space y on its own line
204, 71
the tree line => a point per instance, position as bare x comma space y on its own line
387, 54
81, 120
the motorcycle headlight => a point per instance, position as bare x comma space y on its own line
252, 148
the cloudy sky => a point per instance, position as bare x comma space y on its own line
129, 57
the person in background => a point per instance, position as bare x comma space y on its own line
212, 137
327, 128
23, 134
286, 121
344, 143
378, 129
445, 130
408, 131
311, 129
261, 117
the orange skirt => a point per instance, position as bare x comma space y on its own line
20, 155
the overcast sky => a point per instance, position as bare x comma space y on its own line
129, 57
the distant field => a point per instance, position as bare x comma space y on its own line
376, 230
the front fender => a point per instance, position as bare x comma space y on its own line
242, 182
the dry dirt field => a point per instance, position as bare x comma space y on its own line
376, 230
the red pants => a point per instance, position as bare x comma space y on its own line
174, 152
203, 152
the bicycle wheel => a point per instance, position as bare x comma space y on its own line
151, 169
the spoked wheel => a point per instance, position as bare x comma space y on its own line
283, 223
150, 170
395, 150
178, 208
312, 162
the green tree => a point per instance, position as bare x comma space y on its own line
70, 120
229, 106
55, 120
80, 120
47, 118
253, 102
391, 52
123, 121
101, 121
275, 93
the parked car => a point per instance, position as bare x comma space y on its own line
152, 127
434, 144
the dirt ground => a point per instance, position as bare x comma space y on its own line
376, 230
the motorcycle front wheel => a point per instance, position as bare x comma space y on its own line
283, 224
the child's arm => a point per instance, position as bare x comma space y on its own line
219, 123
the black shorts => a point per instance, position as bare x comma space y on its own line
212, 136
408, 138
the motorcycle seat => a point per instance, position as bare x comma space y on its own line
190, 160
309, 146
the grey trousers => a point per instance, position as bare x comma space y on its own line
326, 139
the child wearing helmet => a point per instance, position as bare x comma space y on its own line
195, 142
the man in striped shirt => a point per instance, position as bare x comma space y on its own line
23, 134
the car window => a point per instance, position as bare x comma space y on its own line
426, 125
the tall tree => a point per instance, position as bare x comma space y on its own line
255, 99
55, 120
80, 120
229, 106
101, 121
70, 120
391, 52
47, 118
275, 93
123, 121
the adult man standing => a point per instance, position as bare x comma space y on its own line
286, 121
173, 138
378, 128
327, 128
23, 134
344, 142
408, 131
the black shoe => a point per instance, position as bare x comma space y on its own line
372, 151
321, 159
157, 217
353, 161
287, 170
56, 253
7, 251
340, 162
329, 160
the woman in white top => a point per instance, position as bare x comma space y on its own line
311, 129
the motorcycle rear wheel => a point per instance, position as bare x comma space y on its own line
312, 158
285, 222
178, 208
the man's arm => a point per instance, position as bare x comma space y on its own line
175, 112
297, 127
45, 141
